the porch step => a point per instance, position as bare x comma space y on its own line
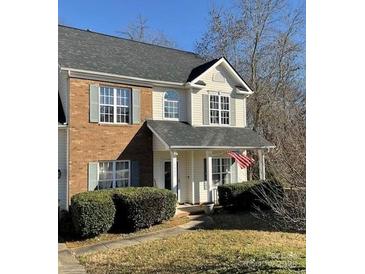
186, 210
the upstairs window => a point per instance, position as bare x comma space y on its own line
115, 105
171, 105
113, 174
219, 109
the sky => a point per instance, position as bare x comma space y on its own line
184, 22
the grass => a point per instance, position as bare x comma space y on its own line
229, 247
76, 243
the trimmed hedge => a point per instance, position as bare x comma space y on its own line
241, 196
128, 209
92, 212
140, 207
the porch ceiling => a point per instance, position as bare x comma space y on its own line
181, 135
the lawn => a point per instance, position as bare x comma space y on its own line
230, 247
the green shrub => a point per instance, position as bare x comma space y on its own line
243, 196
92, 212
139, 207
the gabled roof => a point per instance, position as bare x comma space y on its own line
61, 112
182, 135
91, 51
197, 73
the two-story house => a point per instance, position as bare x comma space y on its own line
136, 114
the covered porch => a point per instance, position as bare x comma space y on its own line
193, 161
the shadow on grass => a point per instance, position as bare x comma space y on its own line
238, 220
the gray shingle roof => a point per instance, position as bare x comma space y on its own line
80, 49
180, 134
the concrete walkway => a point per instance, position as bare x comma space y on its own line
67, 262
196, 221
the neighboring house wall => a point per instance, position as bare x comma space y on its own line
90, 142
225, 87
158, 103
62, 166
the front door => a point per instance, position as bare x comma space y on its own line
167, 176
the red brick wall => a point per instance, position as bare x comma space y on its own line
93, 142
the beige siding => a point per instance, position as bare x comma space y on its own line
62, 165
157, 100
226, 87
157, 144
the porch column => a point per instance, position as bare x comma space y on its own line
192, 178
209, 175
261, 164
174, 172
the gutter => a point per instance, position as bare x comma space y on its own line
101, 76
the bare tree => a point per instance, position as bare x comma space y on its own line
139, 30
264, 40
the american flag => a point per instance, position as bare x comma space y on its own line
242, 160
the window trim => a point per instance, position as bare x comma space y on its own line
115, 105
178, 105
114, 171
220, 109
220, 172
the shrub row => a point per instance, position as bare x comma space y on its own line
121, 209
243, 196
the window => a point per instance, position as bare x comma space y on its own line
171, 105
113, 174
219, 109
115, 105
221, 170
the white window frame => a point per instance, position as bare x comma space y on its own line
220, 109
220, 172
174, 101
115, 105
115, 171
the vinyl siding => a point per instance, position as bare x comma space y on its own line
157, 100
62, 165
226, 87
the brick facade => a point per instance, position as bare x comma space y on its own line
90, 142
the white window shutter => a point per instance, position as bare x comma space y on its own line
94, 103
92, 176
205, 109
136, 106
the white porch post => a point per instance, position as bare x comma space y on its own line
192, 178
174, 173
261, 164
209, 175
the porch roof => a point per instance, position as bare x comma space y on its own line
181, 135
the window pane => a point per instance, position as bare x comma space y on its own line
216, 178
105, 184
226, 178
215, 166
121, 183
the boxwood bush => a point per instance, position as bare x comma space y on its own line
139, 207
92, 212
126, 209
241, 196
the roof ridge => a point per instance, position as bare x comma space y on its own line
122, 38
